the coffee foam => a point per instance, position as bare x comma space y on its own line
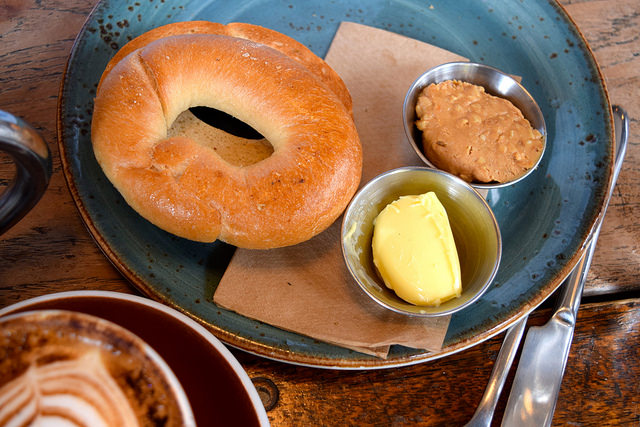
79, 389
71, 367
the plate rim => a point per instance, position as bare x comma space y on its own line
292, 357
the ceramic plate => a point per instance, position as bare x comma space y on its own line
219, 390
544, 219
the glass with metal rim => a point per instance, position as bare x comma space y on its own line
32, 160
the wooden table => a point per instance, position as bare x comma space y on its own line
50, 251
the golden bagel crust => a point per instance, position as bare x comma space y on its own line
266, 36
190, 191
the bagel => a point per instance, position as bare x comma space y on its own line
266, 36
185, 187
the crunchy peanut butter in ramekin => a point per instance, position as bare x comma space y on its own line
475, 135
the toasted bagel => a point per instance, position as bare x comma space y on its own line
186, 188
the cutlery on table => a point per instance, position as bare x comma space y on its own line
544, 355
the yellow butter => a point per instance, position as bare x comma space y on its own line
414, 250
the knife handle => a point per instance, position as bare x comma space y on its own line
572, 291
567, 308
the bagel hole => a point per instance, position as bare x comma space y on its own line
226, 122
233, 140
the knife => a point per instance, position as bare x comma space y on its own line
536, 384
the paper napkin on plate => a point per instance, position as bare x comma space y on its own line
307, 288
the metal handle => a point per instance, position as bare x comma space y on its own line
484, 413
33, 169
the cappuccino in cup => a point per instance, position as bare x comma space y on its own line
71, 368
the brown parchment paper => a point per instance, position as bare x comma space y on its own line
307, 288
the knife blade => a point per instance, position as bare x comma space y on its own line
543, 360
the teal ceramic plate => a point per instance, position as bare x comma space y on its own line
544, 219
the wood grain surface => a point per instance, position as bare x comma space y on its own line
50, 250
599, 387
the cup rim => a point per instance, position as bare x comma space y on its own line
420, 82
458, 181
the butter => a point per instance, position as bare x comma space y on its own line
414, 250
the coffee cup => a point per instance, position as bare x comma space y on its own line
70, 366
32, 172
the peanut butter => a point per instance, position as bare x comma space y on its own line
474, 135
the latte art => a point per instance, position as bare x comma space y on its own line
77, 392
65, 368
